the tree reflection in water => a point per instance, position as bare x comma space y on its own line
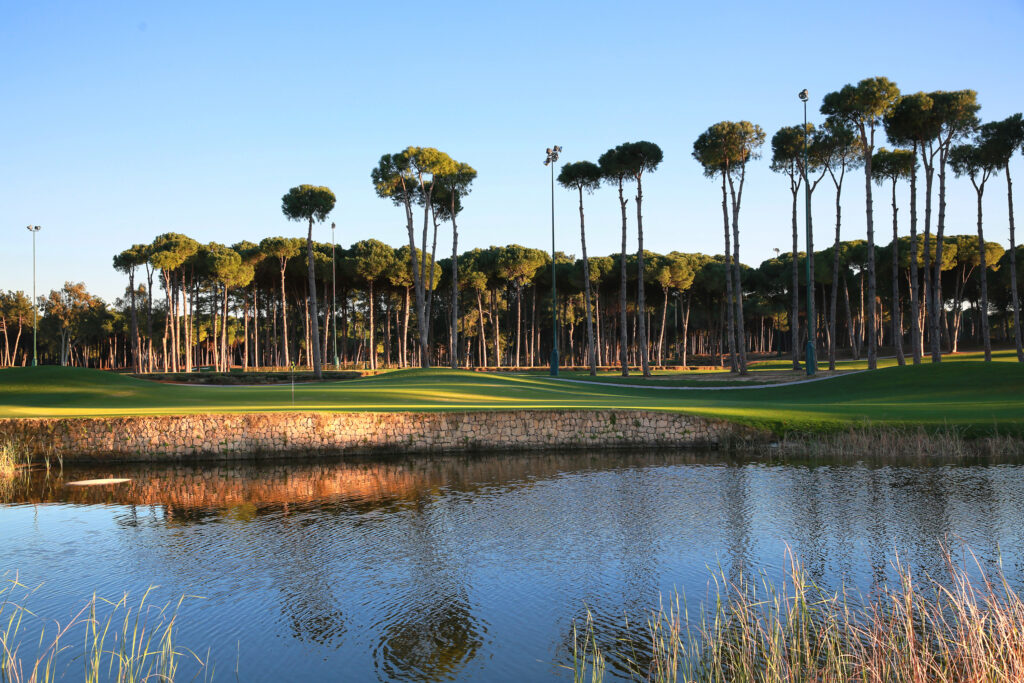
456, 567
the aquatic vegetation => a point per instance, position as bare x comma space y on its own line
909, 444
12, 458
950, 629
123, 641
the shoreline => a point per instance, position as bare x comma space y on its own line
246, 436
289, 434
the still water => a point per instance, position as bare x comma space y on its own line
473, 568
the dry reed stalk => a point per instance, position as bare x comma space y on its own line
951, 630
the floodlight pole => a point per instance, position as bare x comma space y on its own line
552, 157
810, 359
34, 229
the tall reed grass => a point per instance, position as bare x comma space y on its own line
122, 641
889, 443
951, 630
12, 458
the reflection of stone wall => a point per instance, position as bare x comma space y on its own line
365, 481
185, 436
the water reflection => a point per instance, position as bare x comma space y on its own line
474, 567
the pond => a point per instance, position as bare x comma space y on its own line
473, 568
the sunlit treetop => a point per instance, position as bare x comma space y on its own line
892, 164
956, 112
788, 145
613, 165
171, 249
912, 120
638, 157
727, 144
580, 175
308, 203
975, 160
1003, 138
864, 105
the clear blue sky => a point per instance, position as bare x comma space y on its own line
123, 120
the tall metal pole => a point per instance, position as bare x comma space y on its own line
34, 229
334, 301
552, 157
810, 360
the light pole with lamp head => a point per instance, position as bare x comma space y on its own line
552, 157
810, 360
334, 300
34, 229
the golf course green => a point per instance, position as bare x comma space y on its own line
971, 396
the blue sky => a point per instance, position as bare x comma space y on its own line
124, 120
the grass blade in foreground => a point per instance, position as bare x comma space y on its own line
104, 641
950, 630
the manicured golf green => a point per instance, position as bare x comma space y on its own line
970, 395
762, 371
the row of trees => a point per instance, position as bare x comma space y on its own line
938, 130
248, 306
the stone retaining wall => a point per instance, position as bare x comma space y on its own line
182, 437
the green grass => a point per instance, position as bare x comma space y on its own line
972, 396
779, 369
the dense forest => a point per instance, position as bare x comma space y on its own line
286, 302
504, 316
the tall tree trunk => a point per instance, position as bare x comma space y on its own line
213, 340
928, 161
623, 327
730, 330
7, 343
591, 357
418, 278
305, 334
314, 316
136, 341
872, 287
1014, 296
224, 359
373, 341
737, 268
422, 312
915, 324
641, 305
534, 340
482, 334
455, 289
497, 332
833, 341
519, 318
245, 349
149, 317
187, 311
937, 273
897, 308
664, 316
325, 339
168, 338
794, 324
850, 327
686, 326
430, 290
405, 331
284, 319
983, 266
